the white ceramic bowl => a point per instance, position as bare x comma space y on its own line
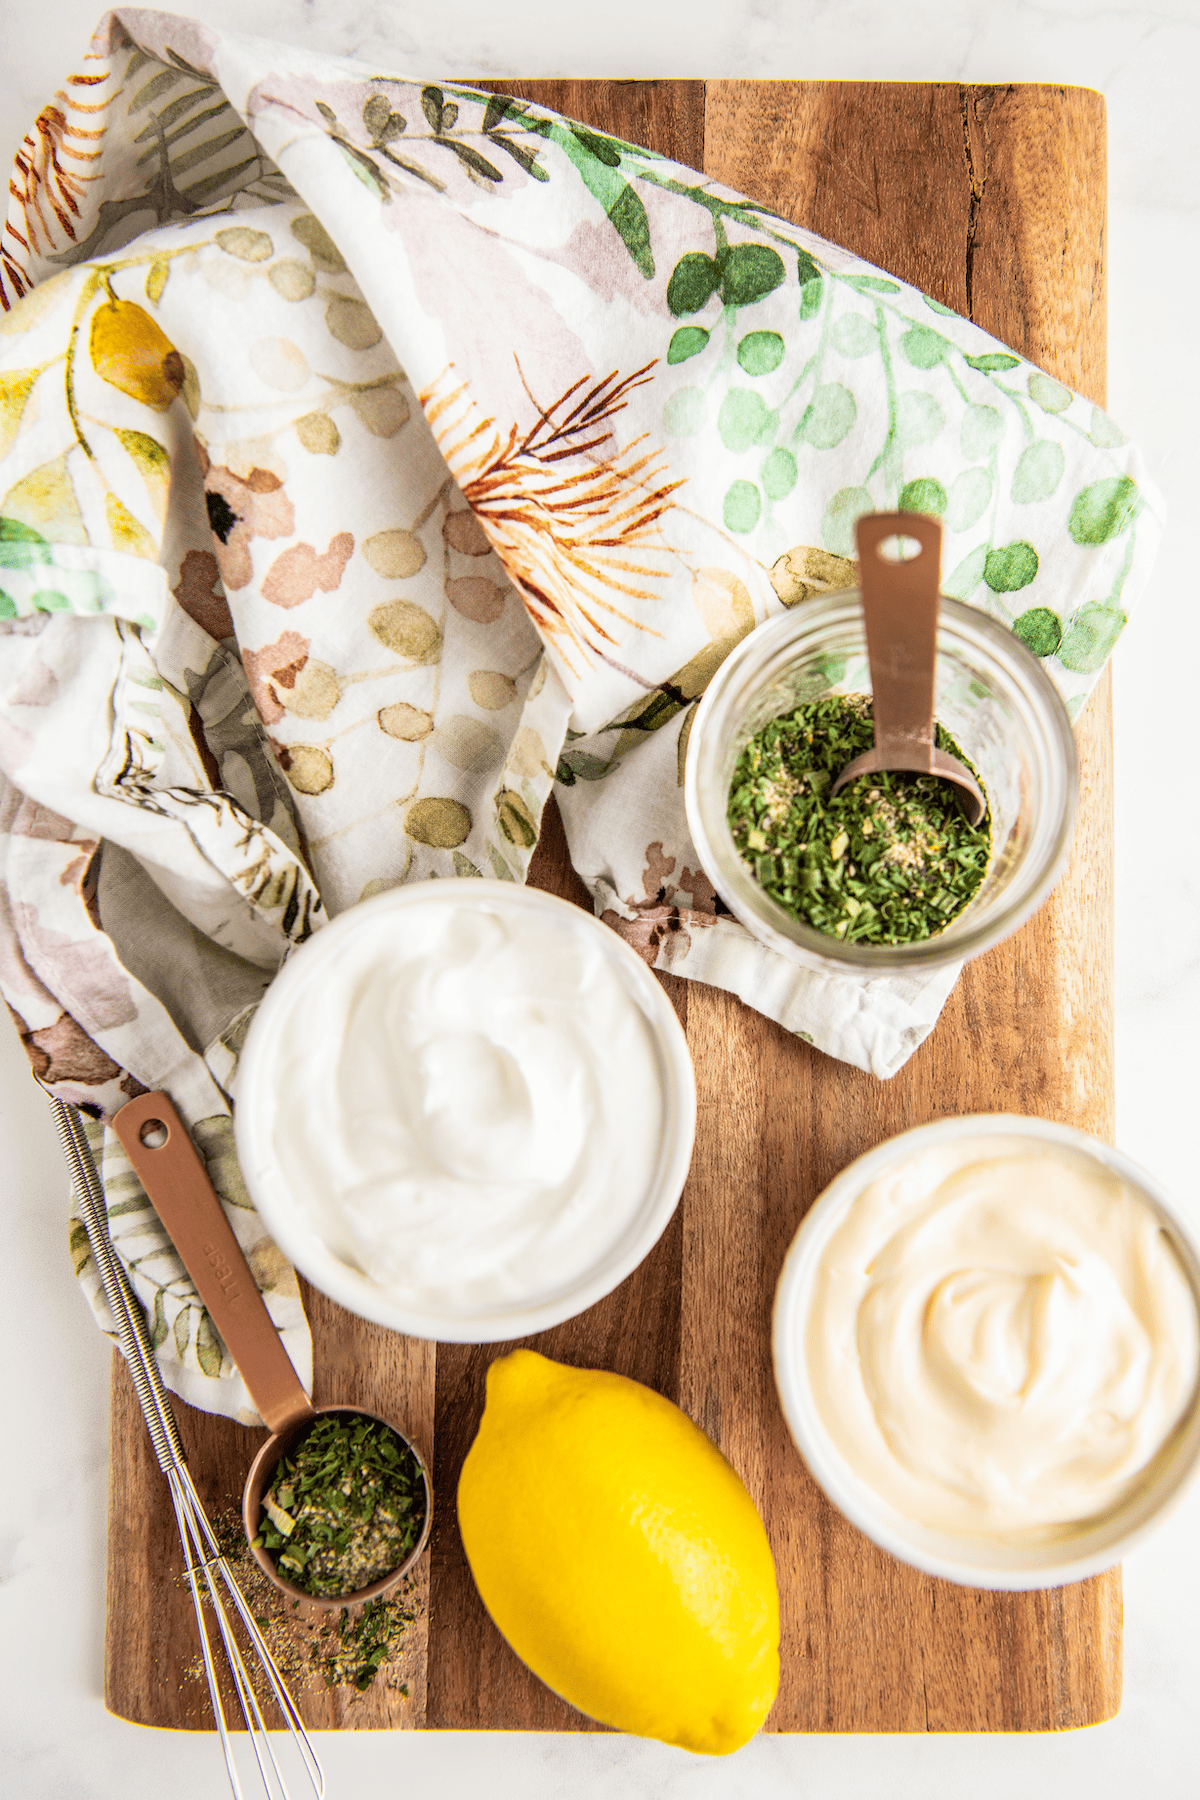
297, 1236
984, 1562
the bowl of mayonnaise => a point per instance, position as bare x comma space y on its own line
465, 1110
987, 1350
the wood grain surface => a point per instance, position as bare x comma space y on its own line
993, 201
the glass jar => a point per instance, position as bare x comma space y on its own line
992, 696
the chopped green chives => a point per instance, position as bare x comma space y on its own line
891, 859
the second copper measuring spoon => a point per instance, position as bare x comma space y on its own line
160, 1148
900, 610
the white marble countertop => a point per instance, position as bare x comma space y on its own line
55, 1738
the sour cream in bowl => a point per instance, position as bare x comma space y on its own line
987, 1349
465, 1110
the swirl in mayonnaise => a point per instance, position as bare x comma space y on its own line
1000, 1342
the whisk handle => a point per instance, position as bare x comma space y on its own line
123, 1304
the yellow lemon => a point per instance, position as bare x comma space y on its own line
620, 1555
129, 350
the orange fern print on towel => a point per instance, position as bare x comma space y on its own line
575, 520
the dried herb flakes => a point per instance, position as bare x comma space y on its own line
356, 1649
345, 1508
891, 859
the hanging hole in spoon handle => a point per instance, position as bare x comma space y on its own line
900, 599
169, 1167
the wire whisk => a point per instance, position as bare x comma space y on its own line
206, 1567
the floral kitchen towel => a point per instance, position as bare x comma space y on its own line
376, 455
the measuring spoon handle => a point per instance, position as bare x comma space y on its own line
900, 609
173, 1175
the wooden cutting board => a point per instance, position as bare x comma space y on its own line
993, 201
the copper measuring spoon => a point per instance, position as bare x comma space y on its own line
900, 609
159, 1145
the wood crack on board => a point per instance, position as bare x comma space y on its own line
975, 106
975, 149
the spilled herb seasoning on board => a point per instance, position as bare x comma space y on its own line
345, 1508
360, 1651
889, 860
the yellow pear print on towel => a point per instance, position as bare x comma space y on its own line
130, 352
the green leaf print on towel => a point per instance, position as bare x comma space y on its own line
1040, 630
760, 352
740, 273
1008, 570
1089, 637
1038, 472
924, 495
1103, 510
744, 420
688, 341
743, 504
693, 283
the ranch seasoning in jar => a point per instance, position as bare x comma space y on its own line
888, 860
